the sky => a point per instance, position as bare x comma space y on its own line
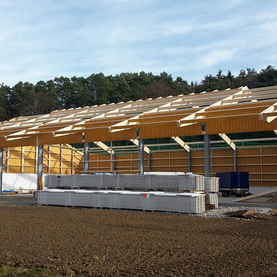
44, 39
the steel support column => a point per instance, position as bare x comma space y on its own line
113, 162
141, 157
189, 161
1, 170
39, 166
86, 158
149, 162
207, 155
235, 160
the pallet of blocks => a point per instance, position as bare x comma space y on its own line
133, 200
182, 193
185, 182
211, 189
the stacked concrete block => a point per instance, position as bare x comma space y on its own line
211, 187
211, 200
157, 192
186, 182
150, 201
211, 184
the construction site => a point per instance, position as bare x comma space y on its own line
164, 155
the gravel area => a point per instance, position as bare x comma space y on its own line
221, 211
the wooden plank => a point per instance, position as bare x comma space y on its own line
266, 193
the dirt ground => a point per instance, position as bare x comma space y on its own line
123, 243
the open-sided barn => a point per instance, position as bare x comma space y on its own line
206, 133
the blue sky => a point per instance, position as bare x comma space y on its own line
44, 39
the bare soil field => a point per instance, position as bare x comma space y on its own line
93, 242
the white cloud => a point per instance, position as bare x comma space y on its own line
43, 39
217, 56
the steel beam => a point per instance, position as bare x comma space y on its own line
141, 157
149, 162
189, 161
86, 158
235, 160
39, 166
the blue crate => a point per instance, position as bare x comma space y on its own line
233, 180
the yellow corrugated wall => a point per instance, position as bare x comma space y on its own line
261, 163
56, 160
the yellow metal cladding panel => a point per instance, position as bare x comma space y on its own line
261, 173
269, 151
221, 168
15, 169
248, 152
256, 183
128, 163
168, 130
18, 142
222, 153
99, 163
106, 135
49, 139
250, 124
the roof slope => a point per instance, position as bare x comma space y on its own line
228, 111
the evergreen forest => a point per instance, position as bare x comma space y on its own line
25, 98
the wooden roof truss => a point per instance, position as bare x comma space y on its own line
181, 111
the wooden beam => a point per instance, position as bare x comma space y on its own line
104, 147
181, 143
188, 120
136, 142
269, 114
77, 127
126, 124
228, 141
254, 196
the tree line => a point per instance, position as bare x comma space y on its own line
26, 98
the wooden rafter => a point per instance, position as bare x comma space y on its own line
270, 113
104, 147
145, 148
188, 120
228, 141
181, 143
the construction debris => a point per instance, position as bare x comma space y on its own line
247, 214
272, 200
273, 212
